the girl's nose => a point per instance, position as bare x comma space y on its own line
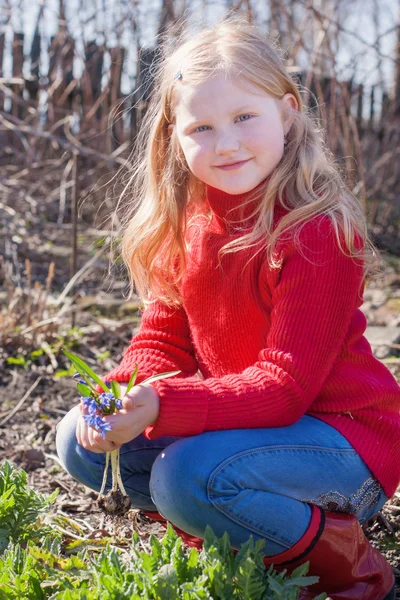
226, 144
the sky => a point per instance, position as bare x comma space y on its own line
358, 21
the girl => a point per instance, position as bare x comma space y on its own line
250, 256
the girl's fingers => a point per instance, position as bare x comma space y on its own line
81, 433
91, 439
85, 438
97, 443
78, 432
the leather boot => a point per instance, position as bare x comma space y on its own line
348, 567
189, 540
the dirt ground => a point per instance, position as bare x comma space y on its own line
103, 327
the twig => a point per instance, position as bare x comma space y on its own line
20, 403
37, 325
18, 126
385, 522
63, 190
77, 275
47, 349
392, 507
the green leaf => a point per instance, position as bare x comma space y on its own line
65, 372
84, 390
82, 367
116, 389
302, 570
19, 360
160, 376
20, 507
132, 379
78, 545
302, 581
275, 585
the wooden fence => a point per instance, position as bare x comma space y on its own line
98, 107
46, 113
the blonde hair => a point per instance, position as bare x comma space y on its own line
160, 188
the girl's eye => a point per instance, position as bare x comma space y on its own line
199, 129
244, 117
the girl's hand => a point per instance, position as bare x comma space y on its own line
140, 409
89, 437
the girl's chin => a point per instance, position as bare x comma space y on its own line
237, 187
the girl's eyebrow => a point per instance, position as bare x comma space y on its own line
236, 111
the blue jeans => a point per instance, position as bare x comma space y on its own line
244, 481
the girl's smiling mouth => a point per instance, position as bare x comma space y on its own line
233, 165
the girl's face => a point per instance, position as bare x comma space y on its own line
231, 132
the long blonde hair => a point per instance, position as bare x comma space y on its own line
159, 186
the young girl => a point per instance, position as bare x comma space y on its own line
250, 256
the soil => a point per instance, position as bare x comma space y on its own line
104, 325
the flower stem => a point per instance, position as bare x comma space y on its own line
116, 473
119, 478
103, 485
114, 469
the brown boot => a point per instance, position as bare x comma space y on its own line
348, 567
189, 540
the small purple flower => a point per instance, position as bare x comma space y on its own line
90, 404
108, 383
105, 399
78, 378
102, 427
90, 420
118, 404
97, 423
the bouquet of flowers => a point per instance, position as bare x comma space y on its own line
98, 405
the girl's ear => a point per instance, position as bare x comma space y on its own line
288, 116
170, 129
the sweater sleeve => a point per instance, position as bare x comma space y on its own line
163, 343
313, 302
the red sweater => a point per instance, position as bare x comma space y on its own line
271, 344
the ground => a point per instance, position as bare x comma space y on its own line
103, 327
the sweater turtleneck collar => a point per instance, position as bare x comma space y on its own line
233, 211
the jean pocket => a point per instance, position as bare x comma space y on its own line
363, 504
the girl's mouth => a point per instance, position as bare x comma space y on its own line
235, 165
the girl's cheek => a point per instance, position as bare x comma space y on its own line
193, 159
254, 135
198, 152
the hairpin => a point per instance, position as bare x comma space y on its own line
178, 75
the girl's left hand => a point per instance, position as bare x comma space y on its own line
140, 408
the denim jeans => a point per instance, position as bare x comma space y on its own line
256, 482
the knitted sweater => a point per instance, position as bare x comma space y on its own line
270, 344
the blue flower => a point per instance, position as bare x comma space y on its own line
78, 379
90, 403
118, 404
97, 423
102, 427
105, 399
90, 420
